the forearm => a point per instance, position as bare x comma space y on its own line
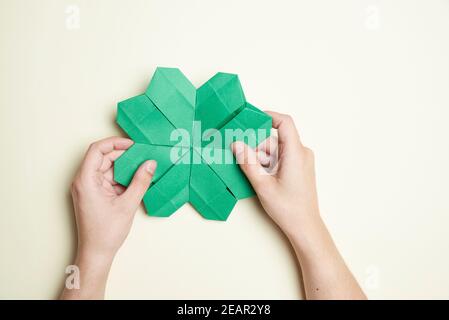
325, 274
93, 273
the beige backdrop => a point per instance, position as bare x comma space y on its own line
367, 82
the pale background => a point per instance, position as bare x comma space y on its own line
366, 81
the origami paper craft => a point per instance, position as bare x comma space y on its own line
196, 169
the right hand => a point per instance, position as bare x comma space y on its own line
289, 195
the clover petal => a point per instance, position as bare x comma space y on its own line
248, 118
218, 100
221, 161
174, 95
208, 194
126, 165
249, 125
143, 122
170, 192
204, 174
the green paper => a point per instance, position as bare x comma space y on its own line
248, 118
218, 100
203, 173
229, 173
126, 165
208, 194
174, 96
143, 122
170, 192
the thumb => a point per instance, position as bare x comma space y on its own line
249, 163
140, 183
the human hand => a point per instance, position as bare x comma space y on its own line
289, 194
104, 213
104, 210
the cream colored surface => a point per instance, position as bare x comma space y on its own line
366, 81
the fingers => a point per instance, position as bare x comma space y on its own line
269, 145
139, 184
287, 132
112, 143
263, 158
94, 156
266, 150
109, 176
118, 189
251, 166
108, 159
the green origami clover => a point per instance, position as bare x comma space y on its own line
196, 169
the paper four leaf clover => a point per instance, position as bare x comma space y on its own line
200, 172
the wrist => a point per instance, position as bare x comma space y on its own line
312, 240
304, 231
86, 256
93, 271
304, 225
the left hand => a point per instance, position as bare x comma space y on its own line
104, 213
104, 210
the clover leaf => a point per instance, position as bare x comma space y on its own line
186, 131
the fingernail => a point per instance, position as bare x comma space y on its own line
238, 147
151, 166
